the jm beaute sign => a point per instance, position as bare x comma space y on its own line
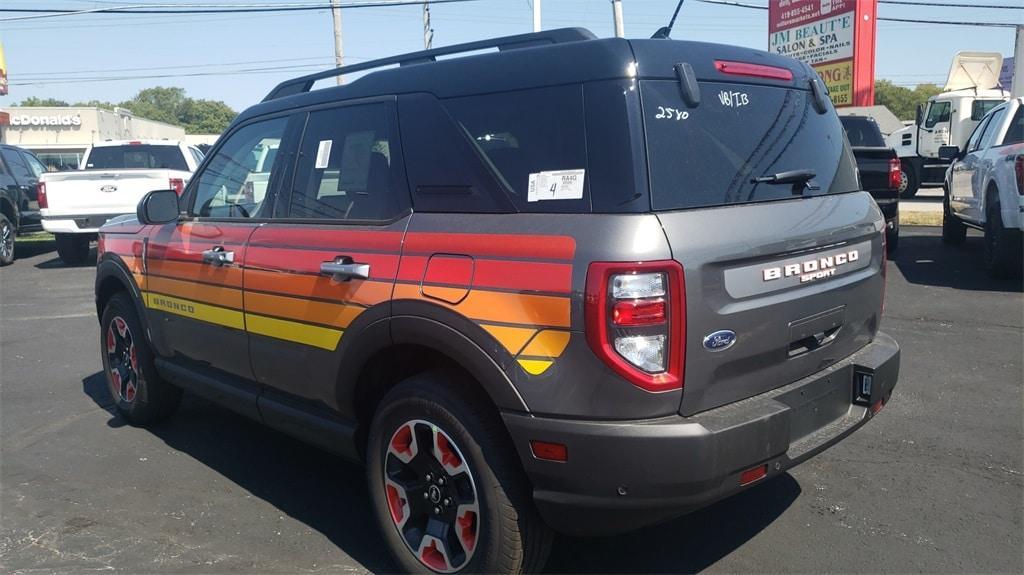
836, 37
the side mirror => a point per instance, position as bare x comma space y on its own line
158, 207
919, 119
949, 153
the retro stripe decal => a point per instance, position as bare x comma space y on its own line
195, 310
316, 336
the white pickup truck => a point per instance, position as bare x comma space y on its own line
984, 188
113, 178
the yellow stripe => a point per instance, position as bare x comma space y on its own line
195, 310
548, 343
322, 337
512, 338
535, 366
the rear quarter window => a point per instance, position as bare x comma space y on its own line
708, 155
862, 132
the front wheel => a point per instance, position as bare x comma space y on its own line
140, 395
954, 232
73, 249
7, 233
447, 488
1003, 250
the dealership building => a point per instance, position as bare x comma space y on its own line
60, 136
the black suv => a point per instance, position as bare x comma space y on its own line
574, 284
19, 210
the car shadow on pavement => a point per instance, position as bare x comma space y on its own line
28, 249
926, 260
54, 263
318, 489
685, 545
329, 495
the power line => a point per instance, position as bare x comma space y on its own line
939, 5
210, 8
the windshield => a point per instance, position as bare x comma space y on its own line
137, 156
862, 132
709, 155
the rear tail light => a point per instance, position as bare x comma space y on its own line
41, 195
894, 174
635, 319
753, 70
1018, 167
178, 185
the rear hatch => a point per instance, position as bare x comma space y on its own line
792, 268
101, 192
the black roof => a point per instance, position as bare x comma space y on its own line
564, 56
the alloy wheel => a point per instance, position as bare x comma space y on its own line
122, 360
431, 495
6, 240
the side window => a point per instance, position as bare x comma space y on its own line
349, 166
995, 122
35, 165
1015, 133
234, 183
937, 113
981, 107
196, 155
17, 166
975, 139
531, 136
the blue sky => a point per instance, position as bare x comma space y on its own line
63, 57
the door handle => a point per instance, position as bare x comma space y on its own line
344, 269
218, 257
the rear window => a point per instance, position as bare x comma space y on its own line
141, 156
709, 155
862, 132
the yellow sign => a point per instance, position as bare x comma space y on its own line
838, 78
3, 72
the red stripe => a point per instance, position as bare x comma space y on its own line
382, 266
213, 233
328, 238
449, 270
501, 274
123, 246
500, 245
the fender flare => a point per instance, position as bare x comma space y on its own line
439, 335
112, 266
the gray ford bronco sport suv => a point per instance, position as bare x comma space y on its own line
573, 284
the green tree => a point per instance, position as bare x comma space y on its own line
903, 101
97, 104
171, 105
33, 102
205, 116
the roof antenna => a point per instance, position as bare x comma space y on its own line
663, 33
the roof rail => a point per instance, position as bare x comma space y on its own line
559, 36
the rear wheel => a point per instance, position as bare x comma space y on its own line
73, 249
1002, 246
140, 395
909, 180
7, 234
954, 232
447, 488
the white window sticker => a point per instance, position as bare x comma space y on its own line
323, 154
561, 185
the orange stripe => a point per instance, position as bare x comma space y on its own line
511, 338
228, 276
202, 293
502, 245
523, 309
332, 314
548, 343
366, 293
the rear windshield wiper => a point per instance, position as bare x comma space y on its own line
801, 179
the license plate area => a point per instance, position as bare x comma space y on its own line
815, 405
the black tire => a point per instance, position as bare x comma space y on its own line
510, 537
7, 234
73, 249
954, 232
909, 179
1003, 252
139, 394
892, 241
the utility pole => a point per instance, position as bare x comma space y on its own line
428, 32
536, 15
620, 31
1017, 88
339, 48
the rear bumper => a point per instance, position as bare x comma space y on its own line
622, 475
76, 223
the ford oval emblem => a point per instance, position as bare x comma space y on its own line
108, 188
720, 340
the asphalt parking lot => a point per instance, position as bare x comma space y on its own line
934, 484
